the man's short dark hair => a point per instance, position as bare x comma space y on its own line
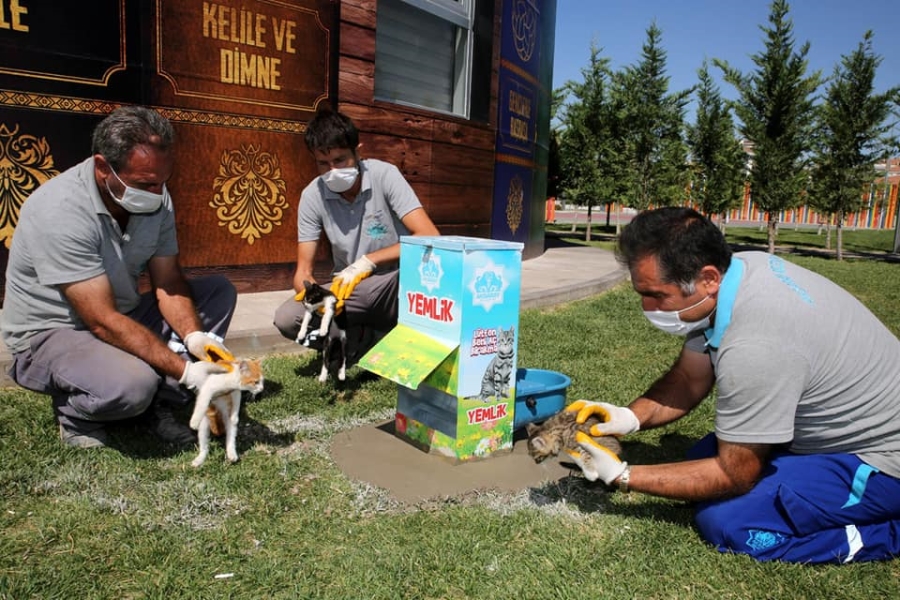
682, 240
127, 127
328, 130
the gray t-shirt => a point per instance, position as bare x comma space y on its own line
65, 234
800, 361
371, 222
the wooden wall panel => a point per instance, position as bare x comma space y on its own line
359, 12
459, 204
358, 42
355, 81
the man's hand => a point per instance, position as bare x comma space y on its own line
196, 373
206, 346
617, 420
344, 282
595, 461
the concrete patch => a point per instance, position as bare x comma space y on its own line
373, 454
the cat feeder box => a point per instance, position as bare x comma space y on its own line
540, 394
454, 350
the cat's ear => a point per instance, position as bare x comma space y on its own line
531, 429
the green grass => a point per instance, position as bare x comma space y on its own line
137, 522
867, 242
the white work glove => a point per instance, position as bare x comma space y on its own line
195, 373
343, 283
617, 420
207, 346
596, 461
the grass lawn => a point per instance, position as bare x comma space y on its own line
139, 522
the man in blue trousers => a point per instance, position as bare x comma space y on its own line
804, 463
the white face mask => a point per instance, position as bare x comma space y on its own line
135, 200
670, 321
340, 180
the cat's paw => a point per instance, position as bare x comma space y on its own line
197, 462
232, 458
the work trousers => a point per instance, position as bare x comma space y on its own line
806, 508
92, 382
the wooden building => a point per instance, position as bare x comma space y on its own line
454, 92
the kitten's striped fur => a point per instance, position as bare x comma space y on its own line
557, 434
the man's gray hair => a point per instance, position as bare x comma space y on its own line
128, 127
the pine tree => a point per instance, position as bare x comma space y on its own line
852, 122
655, 155
589, 139
717, 158
776, 110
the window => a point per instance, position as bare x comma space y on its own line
435, 54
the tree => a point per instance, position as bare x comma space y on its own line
776, 110
553, 165
717, 158
849, 139
652, 119
589, 140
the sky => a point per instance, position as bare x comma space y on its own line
694, 30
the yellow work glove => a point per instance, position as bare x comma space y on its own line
207, 346
299, 296
596, 461
344, 282
617, 420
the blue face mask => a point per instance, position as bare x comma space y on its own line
135, 200
670, 320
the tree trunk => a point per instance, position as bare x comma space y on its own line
608, 211
587, 231
840, 235
772, 232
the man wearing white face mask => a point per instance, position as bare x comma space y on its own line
804, 463
73, 318
363, 206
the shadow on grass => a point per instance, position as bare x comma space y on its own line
589, 496
595, 497
134, 439
356, 377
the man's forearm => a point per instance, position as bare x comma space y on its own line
178, 309
127, 334
693, 481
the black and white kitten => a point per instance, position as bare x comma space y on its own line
332, 329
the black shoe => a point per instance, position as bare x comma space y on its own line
166, 428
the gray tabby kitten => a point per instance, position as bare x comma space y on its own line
557, 433
498, 374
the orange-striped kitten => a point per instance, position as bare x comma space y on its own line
219, 403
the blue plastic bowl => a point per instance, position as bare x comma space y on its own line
540, 394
